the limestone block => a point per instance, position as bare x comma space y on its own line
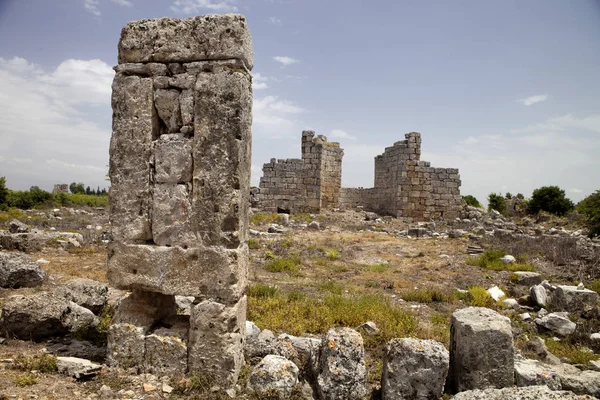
414, 369
342, 374
172, 160
186, 103
126, 345
146, 70
166, 350
274, 376
170, 215
196, 271
210, 37
135, 124
167, 105
216, 341
533, 372
573, 299
481, 350
221, 153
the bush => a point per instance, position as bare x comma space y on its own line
3, 192
431, 295
550, 199
496, 202
590, 209
491, 260
479, 297
472, 201
284, 264
262, 290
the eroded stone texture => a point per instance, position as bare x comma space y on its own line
481, 350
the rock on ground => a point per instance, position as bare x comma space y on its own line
88, 293
19, 270
342, 370
527, 278
558, 323
78, 368
481, 350
524, 393
43, 315
533, 373
414, 369
274, 375
574, 299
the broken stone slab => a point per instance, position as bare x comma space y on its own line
142, 69
369, 328
342, 373
533, 372
574, 299
19, 270
481, 350
77, 368
539, 295
71, 347
43, 315
520, 393
274, 376
16, 226
216, 339
414, 369
166, 349
496, 293
201, 271
580, 382
417, 232
252, 331
558, 323
538, 347
527, 278
210, 37
184, 304
87, 293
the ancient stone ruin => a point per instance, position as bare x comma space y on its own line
180, 175
60, 188
404, 185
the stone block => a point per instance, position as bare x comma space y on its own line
135, 125
216, 339
210, 37
172, 160
171, 211
166, 349
574, 299
221, 153
169, 111
414, 369
197, 271
481, 350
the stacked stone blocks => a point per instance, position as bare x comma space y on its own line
179, 168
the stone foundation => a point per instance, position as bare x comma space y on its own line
180, 174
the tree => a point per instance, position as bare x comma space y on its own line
550, 199
77, 188
590, 209
520, 196
39, 196
472, 201
3, 192
88, 190
496, 202
508, 195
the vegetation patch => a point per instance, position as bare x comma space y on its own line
576, 354
253, 244
44, 363
262, 290
287, 264
26, 379
265, 218
379, 268
331, 287
478, 296
429, 295
491, 260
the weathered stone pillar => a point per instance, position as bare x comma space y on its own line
180, 174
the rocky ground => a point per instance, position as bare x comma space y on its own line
381, 276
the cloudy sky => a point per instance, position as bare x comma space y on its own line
507, 91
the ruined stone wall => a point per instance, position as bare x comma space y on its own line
408, 187
60, 188
180, 175
307, 184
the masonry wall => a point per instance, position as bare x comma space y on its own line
307, 184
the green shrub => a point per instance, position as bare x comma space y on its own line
590, 209
430, 295
491, 260
472, 201
379, 268
284, 264
253, 244
496, 202
26, 379
265, 218
550, 199
577, 355
595, 286
479, 297
332, 254
45, 363
262, 290
331, 287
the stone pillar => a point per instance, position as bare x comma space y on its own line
180, 173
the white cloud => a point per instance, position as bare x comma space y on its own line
92, 7
533, 99
124, 3
575, 190
274, 117
558, 124
195, 6
275, 21
340, 134
58, 118
285, 61
259, 82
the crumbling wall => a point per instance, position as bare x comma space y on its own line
180, 176
407, 187
307, 184
60, 188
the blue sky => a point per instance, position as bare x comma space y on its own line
507, 91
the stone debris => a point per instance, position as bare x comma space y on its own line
16, 226
342, 373
43, 315
274, 376
574, 299
558, 323
78, 368
508, 259
414, 369
19, 270
533, 372
481, 350
87, 293
252, 331
539, 295
527, 278
521, 393
496, 293
180, 184
369, 328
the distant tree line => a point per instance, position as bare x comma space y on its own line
550, 199
36, 197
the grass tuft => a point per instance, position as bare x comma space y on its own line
26, 379
253, 244
262, 290
576, 354
491, 260
429, 295
378, 268
44, 363
479, 297
287, 264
